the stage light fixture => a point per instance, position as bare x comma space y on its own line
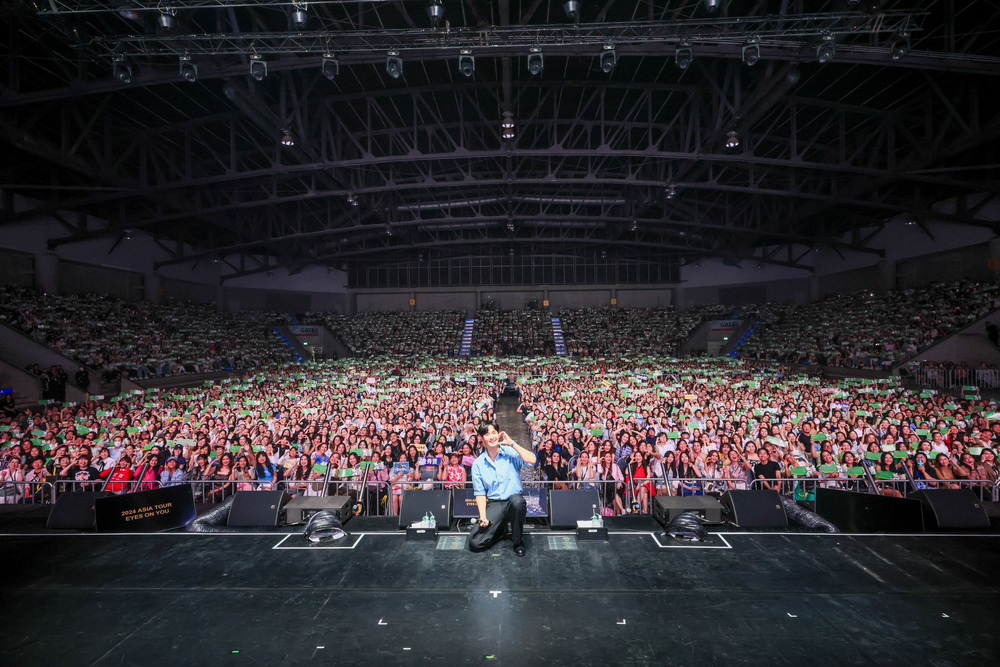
684, 56
536, 61
394, 65
751, 52
900, 46
435, 12
732, 139
258, 68
300, 16
507, 126
188, 69
351, 199
712, 6
670, 192
122, 70
572, 9
330, 67
167, 19
825, 53
608, 59
286, 139
466, 63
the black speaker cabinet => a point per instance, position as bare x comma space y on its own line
416, 504
856, 512
300, 510
755, 509
665, 508
257, 508
952, 508
568, 507
75, 510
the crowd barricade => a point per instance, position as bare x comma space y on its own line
952, 378
26, 493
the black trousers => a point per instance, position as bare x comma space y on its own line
499, 512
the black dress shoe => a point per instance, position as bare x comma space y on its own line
519, 549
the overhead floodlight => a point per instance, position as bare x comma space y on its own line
287, 139
608, 59
167, 18
330, 67
732, 139
300, 16
466, 63
670, 192
751, 52
536, 61
188, 69
258, 68
825, 53
394, 65
435, 12
507, 126
712, 6
900, 46
351, 199
572, 8
684, 56
122, 70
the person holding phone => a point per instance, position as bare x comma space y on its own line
496, 484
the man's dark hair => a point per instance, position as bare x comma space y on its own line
484, 427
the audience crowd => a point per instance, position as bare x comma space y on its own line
592, 332
140, 339
422, 332
632, 427
513, 332
871, 330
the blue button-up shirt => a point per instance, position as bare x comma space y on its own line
499, 479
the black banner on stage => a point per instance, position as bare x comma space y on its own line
464, 503
146, 511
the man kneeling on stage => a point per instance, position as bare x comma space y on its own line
496, 483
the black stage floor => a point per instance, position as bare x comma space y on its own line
638, 599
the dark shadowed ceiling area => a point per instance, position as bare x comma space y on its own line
623, 117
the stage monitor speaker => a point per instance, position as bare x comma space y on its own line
755, 509
300, 510
952, 508
857, 512
257, 508
416, 504
666, 508
568, 507
75, 510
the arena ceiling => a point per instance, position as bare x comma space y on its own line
146, 113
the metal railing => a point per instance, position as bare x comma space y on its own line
380, 498
25, 493
955, 378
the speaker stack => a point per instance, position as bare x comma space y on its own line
755, 509
666, 508
416, 505
75, 510
952, 508
257, 508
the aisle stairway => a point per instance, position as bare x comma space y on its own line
734, 351
466, 347
288, 339
557, 334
